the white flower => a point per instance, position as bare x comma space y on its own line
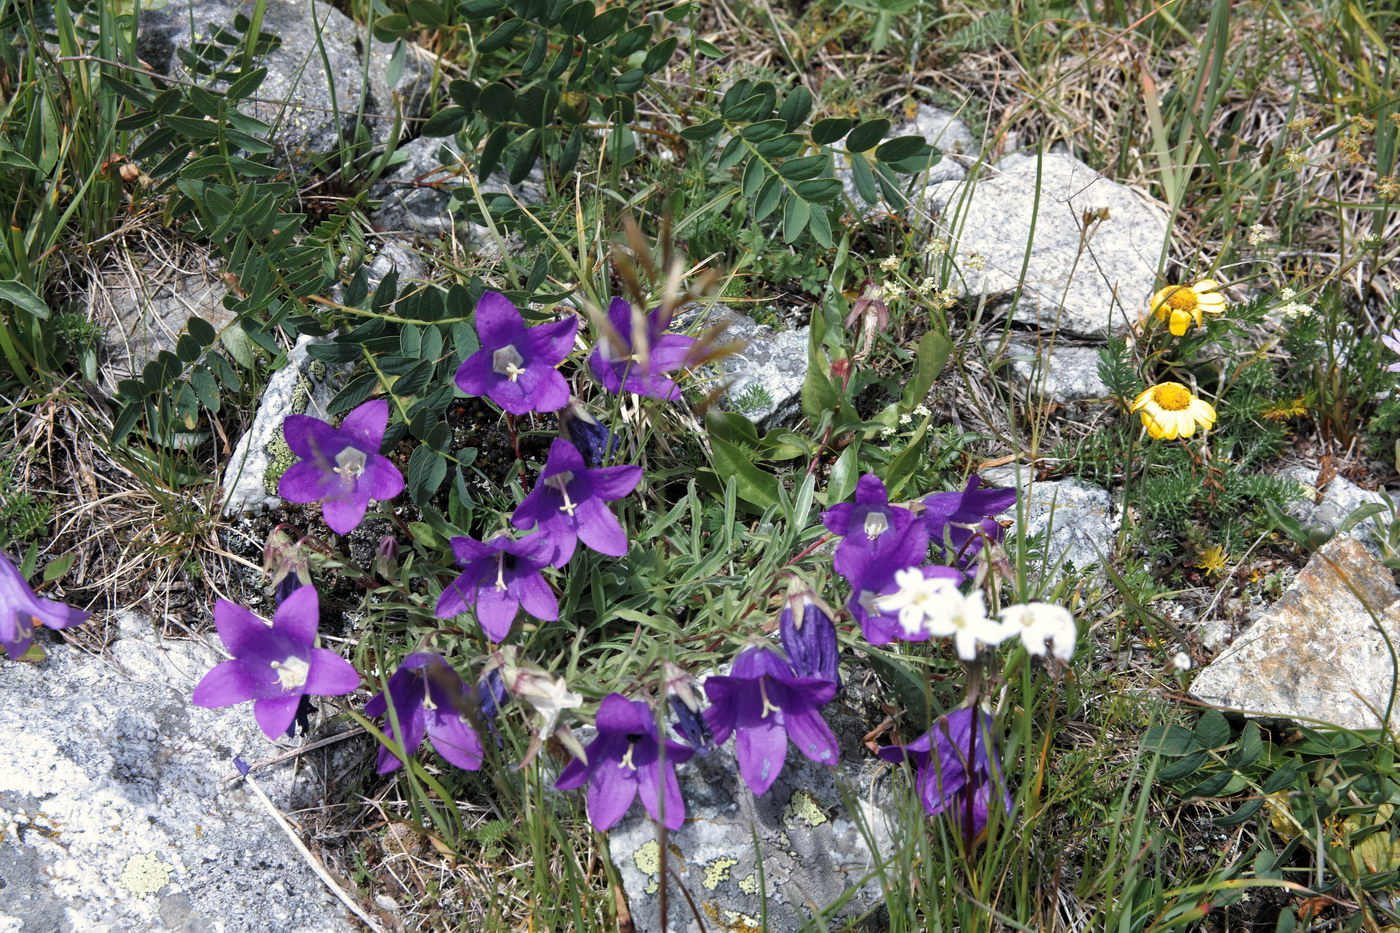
889, 263
976, 262
922, 603
937, 246
1257, 234
1038, 623
1181, 661
921, 410
969, 627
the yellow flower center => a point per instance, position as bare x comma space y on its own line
291, 673
1183, 299
1172, 397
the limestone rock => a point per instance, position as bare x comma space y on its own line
764, 379
303, 386
1074, 518
1330, 507
145, 308
1065, 374
1317, 653
114, 814
1090, 294
417, 196
310, 105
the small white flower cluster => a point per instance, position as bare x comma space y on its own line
889, 263
887, 291
937, 608
975, 261
1257, 235
1291, 309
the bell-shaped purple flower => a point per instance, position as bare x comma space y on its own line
340, 467
642, 353
22, 611
808, 634
864, 523
569, 504
274, 666
515, 366
964, 518
429, 697
957, 767
626, 760
765, 704
499, 577
872, 575
592, 438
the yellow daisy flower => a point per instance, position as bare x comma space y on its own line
1179, 305
1170, 411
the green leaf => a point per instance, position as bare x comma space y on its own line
205, 388
766, 129
1249, 749
632, 40
820, 228
1243, 814
576, 17
59, 566
1213, 730
780, 147
732, 152
702, 131
1172, 740
768, 199
501, 35
246, 85
605, 25
753, 107
845, 472
832, 129
497, 102
426, 471
464, 94
535, 59
902, 147
187, 348
796, 213
659, 55
796, 108
236, 342
1184, 768
929, 360
445, 122
818, 394
754, 176
754, 485
392, 27
803, 168
867, 135
819, 190
428, 13
708, 49
864, 178
901, 468
24, 298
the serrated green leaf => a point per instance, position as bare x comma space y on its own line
867, 135
796, 214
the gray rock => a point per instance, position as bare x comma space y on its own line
1074, 518
145, 309
764, 378
261, 456
1091, 294
311, 106
1066, 374
1330, 507
417, 196
114, 815
1317, 653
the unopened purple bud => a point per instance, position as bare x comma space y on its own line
491, 695
809, 636
285, 559
679, 689
588, 434
386, 556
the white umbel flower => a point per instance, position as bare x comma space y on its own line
1039, 623
922, 603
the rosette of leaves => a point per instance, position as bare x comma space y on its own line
539, 69
789, 167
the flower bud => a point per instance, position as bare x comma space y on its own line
286, 560
386, 556
592, 438
491, 695
808, 634
679, 689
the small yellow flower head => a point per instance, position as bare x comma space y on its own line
1294, 157
1387, 188
1302, 124
1170, 410
976, 262
1179, 305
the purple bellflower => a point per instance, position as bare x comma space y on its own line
679, 688
641, 354
765, 704
515, 366
965, 517
624, 761
957, 768
864, 523
274, 667
340, 467
22, 611
568, 504
429, 697
491, 695
808, 634
498, 578
872, 575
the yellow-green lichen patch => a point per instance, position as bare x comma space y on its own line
648, 859
749, 885
803, 806
717, 870
144, 874
738, 921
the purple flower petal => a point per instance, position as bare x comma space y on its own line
331, 675
496, 611
344, 515
226, 684
238, 629
275, 715
367, 423
454, 739
297, 618
661, 796
761, 749
812, 736
611, 791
